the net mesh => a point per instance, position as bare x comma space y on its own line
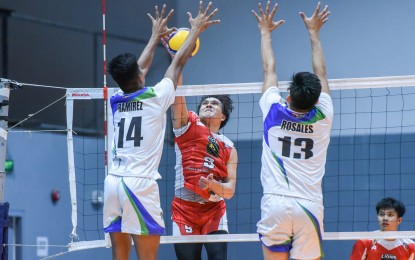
370, 156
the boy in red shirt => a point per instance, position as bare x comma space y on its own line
390, 212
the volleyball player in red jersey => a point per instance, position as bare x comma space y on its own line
206, 163
389, 212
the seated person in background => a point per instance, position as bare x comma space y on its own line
390, 212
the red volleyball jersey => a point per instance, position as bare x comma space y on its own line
200, 152
399, 249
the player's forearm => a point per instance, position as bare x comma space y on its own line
186, 49
267, 54
179, 115
181, 57
223, 189
268, 61
318, 60
146, 57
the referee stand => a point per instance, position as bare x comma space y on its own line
5, 86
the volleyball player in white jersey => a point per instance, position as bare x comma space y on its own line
131, 202
295, 142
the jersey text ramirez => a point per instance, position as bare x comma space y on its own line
130, 106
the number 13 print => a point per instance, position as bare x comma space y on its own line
306, 145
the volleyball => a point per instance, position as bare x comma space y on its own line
177, 38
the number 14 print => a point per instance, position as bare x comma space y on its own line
133, 133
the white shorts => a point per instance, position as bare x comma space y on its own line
132, 205
291, 225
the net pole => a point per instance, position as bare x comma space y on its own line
4, 113
4, 206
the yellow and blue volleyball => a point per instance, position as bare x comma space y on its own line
177, 38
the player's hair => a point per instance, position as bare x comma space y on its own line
305, 89
227, 106
391, 203
124, 69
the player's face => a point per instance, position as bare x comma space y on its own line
388, 219
211, 108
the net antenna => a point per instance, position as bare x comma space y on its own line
105, 93
72, 95
86, 94
105, 88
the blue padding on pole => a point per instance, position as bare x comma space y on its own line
4, 234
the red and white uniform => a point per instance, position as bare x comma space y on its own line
369, 249
199, 152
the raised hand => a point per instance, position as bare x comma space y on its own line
265, 20
317, 20
165, 42
314, 24
203, 18
160, 28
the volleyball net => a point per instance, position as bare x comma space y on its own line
370, 157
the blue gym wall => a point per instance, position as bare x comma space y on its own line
61, 47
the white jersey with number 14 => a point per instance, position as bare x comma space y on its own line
139, 121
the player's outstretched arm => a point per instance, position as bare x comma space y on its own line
159, 30
225, 189
179, 114
198, 24
314, 24
266, 25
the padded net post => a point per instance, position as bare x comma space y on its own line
4, 227
5, 86
4, 113
4, 207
